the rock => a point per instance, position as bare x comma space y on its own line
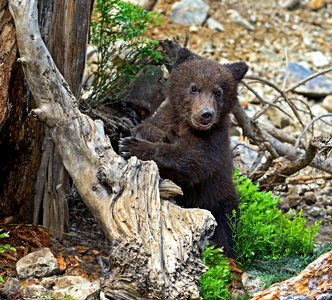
247, 153
316, 4
277, 117
40, 263
188, 12
252, 283
294, 200
315, 212
327, 103
193, 29
77, 287
238, 294
287, 3
310, 198
283, 204
238, 19
149, 89
49, 282
144, 4
303, 188
11, 285
329, 210
33, 291
213, 24
320, 86
317, 58
314, 282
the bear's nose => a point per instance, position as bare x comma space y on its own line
206, 114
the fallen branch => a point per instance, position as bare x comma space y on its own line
280, 174
307, 127
281, 92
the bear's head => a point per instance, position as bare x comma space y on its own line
202, 91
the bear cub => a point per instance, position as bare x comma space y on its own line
188, 137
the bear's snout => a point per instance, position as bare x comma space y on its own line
206, 114
204, 119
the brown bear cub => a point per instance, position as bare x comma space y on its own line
188, 137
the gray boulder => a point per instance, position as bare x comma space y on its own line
317, 87
188, 12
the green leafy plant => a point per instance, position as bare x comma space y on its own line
4, 247
214, 282
117, 31
263, 231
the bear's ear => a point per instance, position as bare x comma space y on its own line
184, 55
238, 69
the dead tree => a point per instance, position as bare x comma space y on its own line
33, 180
156, 245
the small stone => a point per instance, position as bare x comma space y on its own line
283, 204
317, 58
327, 103
213, 24
287, 3
193, 29
144, 4
294, 200
49, 282
11, 285
329, 210
238, 294
40, 263
238, 19
33, 291
310, 198
316, 4
77, 287
252, 283
277, 117
188, 12
244, 103
315, 212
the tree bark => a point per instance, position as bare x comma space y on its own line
34, 181
19, 134
156, 245
64, 27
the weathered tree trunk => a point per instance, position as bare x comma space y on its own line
64, 27
33, 176
156, 245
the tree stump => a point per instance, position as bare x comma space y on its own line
156, 245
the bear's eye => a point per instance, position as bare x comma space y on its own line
218, 94
193, 89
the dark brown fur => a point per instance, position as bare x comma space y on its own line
188, 137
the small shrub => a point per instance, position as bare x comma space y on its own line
214, 282
263, 231
117, 31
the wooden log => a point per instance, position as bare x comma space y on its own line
156, 245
